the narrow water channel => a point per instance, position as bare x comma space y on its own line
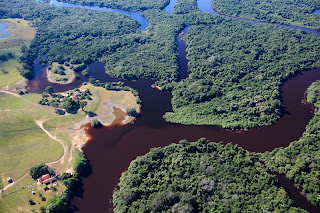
111, 149
170, 6
134, 15
205, 6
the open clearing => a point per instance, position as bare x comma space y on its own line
32, 133
67, 78
23, 33
22, 30
9, 73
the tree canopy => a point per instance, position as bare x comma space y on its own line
200, 177
297, 12
39, 170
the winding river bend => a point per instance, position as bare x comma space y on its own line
134, 15
111, 149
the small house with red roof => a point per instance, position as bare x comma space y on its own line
46, 179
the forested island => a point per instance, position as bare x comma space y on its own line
200, 177
235, 71
131, 5
211, 177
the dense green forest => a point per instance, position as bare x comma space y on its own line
200, 177
236, 67
185, 6
236, 71
296, 12
300, 161
71, 34
87, 34
132, 5
156, 56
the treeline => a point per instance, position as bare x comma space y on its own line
185, 6
155, 55
296, 12
236, 67
71, 34
132, 5
61, 202
200, 177
116, 86
82, 36
236, 71
300, 161
6, 13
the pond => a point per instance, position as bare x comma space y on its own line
3, 31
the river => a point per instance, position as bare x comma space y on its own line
134, 15
111, 149
205, 6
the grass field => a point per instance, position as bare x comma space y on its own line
23, 33
32, 133
105, 101
16, 199
9, 73
24, 144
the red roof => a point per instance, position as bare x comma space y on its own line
43, 178
49, 180
46, 179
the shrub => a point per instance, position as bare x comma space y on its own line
132, 112
95, 123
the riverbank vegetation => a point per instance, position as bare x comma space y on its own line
154, 55
237, 69
200, 177
131, 5
185, 6
300, 161
70, 34
24, 144
296, 12
230, 60
61, 203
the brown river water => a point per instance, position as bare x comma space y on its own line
111, 149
